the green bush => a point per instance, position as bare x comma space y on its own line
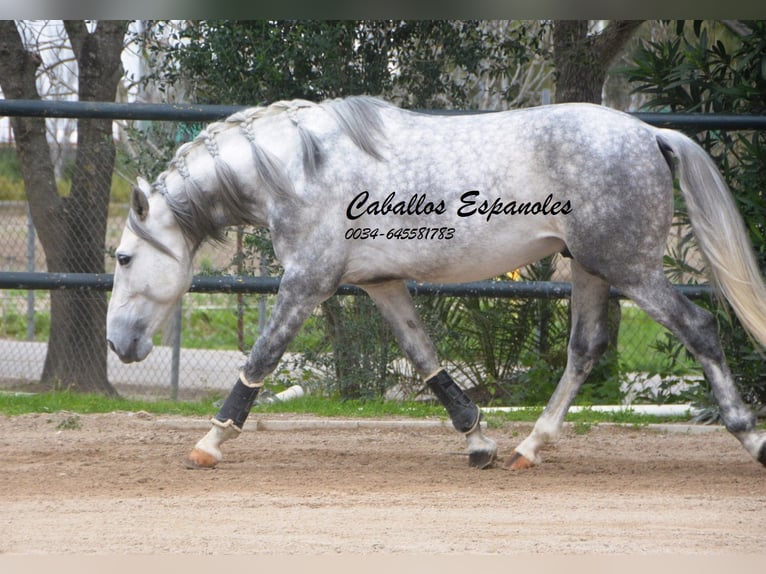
11, 189
12, 184
704, 68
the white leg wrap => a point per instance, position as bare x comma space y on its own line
217, 435
247, 383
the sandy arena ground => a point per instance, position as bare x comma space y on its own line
116, 485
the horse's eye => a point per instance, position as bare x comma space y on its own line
123, 259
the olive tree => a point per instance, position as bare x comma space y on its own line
71, 227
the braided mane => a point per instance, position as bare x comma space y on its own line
357, 117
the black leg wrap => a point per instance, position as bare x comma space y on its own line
238, 404
762, 455
464, 413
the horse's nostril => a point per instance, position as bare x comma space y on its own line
111, 345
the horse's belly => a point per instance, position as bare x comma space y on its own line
445, 262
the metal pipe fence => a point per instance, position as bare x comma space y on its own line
207, 112
270, 285
193, 364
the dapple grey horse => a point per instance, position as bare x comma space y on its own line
358, 191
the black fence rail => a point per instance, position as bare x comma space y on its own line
200, 113
268, 285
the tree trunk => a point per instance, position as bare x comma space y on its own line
582, 60
72, 230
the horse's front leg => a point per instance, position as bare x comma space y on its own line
395, 304
295, 302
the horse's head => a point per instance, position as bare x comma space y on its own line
153, 272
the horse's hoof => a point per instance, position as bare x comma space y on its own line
481, 459
519, 462
199, 459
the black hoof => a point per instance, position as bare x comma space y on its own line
762, 455
481, 459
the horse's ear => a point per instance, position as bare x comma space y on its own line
139, 202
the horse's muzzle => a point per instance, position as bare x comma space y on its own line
135, 351
129, 344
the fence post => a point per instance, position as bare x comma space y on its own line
264, 270
175, 358
30, 268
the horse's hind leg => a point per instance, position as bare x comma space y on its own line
395, 304
697, 329
587, 342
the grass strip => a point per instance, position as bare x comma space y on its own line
12, 404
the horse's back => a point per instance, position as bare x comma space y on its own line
504, 189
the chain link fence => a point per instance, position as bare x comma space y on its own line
211, 333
